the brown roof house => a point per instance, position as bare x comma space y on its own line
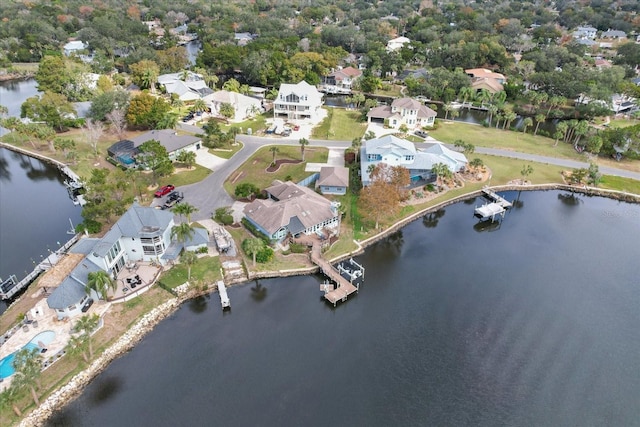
341, 81
403, 111
293, 209
481, 78
333, 180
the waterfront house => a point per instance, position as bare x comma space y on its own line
481, 78
394, 151
291, 209
125, 151
142, 234
403, 111
333, 180
297, 101
244, 106
341, 80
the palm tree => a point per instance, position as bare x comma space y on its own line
509, 117
493, 109
526, 123
199, 106
499, 97
356, 144
561, 131
539, 119
78, 346
185, 209
466, 93
275, 150
100, 282
580, 130
258, 292
169, 120
555, 101
27, 364
252, 247
87, 325
182, 232
447, 109
11, 395
189, 259
454, 113
303, 142
483, 96
441, 170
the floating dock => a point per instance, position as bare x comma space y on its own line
224, 298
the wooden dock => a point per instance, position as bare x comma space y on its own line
343, 287
10, 287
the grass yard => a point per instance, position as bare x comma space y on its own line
205, 270
623, 123
482, 136
187, 176
226, 153
254, 169
340, 125
259, 123
620, 184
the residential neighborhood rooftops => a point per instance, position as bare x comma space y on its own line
72, 288
335, 176
168, 138
484, 73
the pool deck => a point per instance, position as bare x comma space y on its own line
47, 320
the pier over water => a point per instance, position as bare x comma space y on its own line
343, 287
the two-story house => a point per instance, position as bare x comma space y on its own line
293, 210
403, 111
141, 234
297, 101
341, 81
394, 151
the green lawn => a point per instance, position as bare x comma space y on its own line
482, 136
254, 169
190, 176
623, 123
340, 125
206, 270
226, 153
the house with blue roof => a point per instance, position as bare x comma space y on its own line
399, 152
141, 234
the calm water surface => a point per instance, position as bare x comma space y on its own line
532, 323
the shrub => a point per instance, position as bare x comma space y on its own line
223, 216
265, 255
429, 187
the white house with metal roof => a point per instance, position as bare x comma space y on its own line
141, 234
298, 101
399, 152
244, 106
292, 209
187, 86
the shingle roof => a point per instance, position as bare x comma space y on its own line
167, 137
84, 246
296, 205
72, 289
334, 176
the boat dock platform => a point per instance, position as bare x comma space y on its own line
10, 286
497, 207
343, 287
224, 298
497, 199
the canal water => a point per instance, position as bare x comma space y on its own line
534, 322
35, 208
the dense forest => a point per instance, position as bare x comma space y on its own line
529, 41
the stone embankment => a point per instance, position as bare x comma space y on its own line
124, 344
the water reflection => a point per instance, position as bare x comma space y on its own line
258, 292
487, 225
199, 304
106, 390
570, 199
431, 219
5, 173
394, 242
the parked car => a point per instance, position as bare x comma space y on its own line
421, 133
296, 127
187, 117
162, 191
286, 132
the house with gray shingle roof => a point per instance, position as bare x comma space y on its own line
333, 180
399, 152
293, 210
126, 150
141, 234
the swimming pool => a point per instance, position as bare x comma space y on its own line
39, 341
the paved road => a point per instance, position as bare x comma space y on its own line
209, 194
